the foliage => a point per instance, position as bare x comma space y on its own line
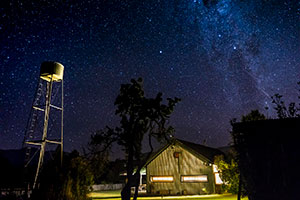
111, 173
282, 110
139, 117
99, 148
254, 115
79, 179
72, 181
229, 173
248, 147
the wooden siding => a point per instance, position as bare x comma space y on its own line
187, 164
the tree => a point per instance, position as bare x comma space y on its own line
248, 146
282, 110
254, 115
140, 117
98, 152
229, 167
72, 181
78, 179
229, 173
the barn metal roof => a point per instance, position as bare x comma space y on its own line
201, 151
207, 152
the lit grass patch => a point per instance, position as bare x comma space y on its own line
105, 194
115, 195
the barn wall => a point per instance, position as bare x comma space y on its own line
187, 164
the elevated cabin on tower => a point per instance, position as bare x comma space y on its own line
183, 167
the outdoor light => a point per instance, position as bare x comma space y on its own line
177, 154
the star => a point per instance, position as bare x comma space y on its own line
223, 58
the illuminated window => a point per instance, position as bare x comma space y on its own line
162, 179
193, 179
218, 179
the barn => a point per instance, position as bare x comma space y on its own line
182, 167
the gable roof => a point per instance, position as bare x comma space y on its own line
204, 152
208, 152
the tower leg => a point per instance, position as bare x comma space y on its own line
46, 119
62, 123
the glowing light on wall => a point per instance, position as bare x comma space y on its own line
200, 178
218, 179
162, 179
217, 175
215, 168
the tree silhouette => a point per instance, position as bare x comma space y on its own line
254, 115
230, 168
282, 110
140, 117
71, 181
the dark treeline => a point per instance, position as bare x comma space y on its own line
268, 153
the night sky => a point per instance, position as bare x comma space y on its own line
223, 58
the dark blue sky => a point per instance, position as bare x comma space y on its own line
222, 57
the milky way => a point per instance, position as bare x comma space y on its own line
222, 57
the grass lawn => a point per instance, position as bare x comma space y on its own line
115, 195
105, 194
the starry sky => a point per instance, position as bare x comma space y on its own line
223, 58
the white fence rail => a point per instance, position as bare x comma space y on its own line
102, 187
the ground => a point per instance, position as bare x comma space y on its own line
115, 195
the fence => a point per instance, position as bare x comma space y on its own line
102, 187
